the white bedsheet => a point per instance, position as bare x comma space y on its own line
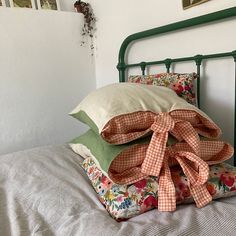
44, 191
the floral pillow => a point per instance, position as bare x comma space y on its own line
126, 201
182, 84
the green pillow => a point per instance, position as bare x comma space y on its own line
103, 153
109, 158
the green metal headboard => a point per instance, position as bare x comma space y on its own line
200, 20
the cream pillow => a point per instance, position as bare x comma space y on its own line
123, 112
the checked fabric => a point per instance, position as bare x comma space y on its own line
154, 159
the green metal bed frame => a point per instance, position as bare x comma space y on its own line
200, 20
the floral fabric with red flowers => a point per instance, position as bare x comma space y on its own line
182, 84
126, 201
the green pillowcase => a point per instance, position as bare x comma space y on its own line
91, 144
107, 156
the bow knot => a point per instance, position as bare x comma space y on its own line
157, 156
163, 123
196, 171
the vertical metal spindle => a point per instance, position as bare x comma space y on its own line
121, 67
235, 113
168, 62
143, 67
198, 61
234, 56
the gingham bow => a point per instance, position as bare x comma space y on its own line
195, 169
162, 125
156, 161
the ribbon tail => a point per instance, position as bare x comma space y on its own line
200, 195
189, 134
166, 190
154, 159
199, 177
197, 180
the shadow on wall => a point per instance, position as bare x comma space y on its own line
221, 111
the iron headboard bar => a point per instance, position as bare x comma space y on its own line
198, 60
182, 59
223, 14
204, 19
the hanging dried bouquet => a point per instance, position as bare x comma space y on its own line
89, 22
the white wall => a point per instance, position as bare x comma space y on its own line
67, 5
118, 19
44, 73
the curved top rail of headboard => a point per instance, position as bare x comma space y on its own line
200, 20
223, 14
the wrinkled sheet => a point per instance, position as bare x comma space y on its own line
44, 191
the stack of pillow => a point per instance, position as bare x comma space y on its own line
149, 148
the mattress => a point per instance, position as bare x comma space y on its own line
44, 191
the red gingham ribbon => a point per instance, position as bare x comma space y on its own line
156, 161
196, 179
180, 129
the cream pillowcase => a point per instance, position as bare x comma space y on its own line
123, 99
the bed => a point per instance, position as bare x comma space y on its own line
44, 191
51, 195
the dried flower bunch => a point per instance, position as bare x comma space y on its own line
89, 21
